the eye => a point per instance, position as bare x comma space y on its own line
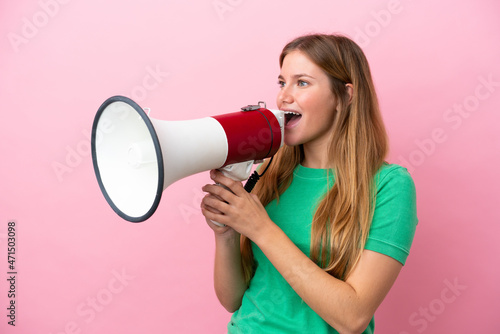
302, 83
281, 83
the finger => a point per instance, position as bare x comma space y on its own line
218, 191
216, 204
235, 186
214, 217
204, 205
209, 208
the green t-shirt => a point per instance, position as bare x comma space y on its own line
269, 304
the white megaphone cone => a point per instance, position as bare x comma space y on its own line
135, 158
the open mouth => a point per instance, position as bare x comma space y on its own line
292, 118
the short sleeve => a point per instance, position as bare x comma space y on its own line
395, 216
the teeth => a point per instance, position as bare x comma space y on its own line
292, 113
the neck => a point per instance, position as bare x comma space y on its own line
316, 156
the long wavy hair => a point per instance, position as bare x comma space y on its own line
357, 149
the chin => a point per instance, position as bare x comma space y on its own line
292, 141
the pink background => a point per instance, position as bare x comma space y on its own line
59, 60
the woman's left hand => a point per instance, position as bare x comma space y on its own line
236, 207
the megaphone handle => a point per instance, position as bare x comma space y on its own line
238, 172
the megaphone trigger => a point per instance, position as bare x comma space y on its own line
239, 171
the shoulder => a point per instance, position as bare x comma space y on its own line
395, 214
395, 191
393, 177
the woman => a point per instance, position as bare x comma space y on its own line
318, 244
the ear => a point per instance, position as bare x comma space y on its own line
350, 89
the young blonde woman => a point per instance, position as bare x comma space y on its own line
319, 242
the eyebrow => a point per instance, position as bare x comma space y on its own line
296, 76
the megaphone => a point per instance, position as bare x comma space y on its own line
136, 157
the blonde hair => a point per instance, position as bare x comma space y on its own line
357, 149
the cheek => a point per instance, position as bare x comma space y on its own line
322, 107
323, 114
317, 99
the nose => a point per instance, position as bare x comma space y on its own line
285, 96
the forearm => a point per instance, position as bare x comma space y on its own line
332, 299
229, 282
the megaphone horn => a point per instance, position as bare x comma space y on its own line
136, 157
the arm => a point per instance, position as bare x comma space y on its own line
346, 306
229, 283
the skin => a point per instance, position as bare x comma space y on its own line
305, 88
347, 306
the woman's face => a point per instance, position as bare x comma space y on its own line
307, 100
